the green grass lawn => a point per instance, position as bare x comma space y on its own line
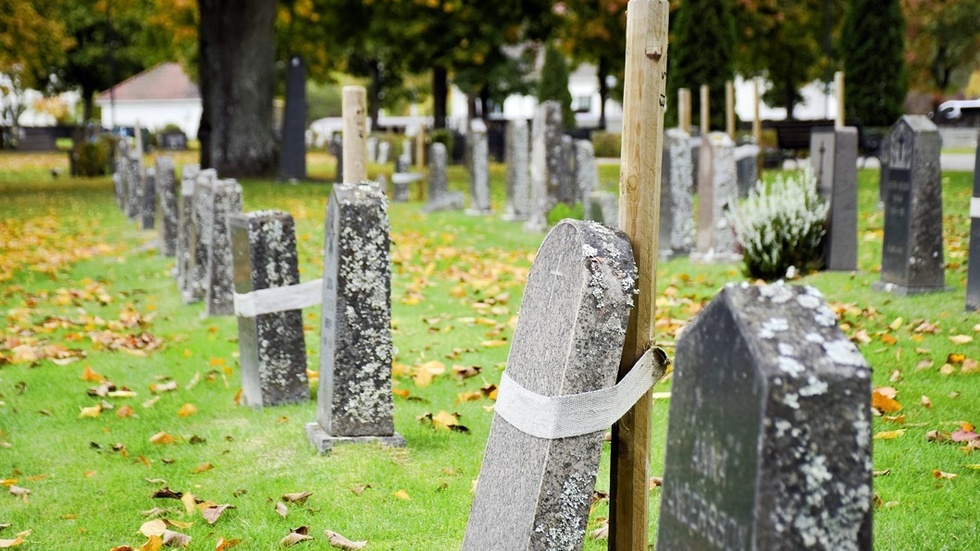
84, 295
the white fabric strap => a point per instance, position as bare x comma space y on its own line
279, 299
975, 207
552, 417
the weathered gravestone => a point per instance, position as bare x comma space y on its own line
717, 193
220, 275
185, 227
439, 196
603, 207
769, 436
372, 149
119, 175
354, 402
167, 209
202, 226
479, 169
336, 147
401, 185
384, 151
148, 203
676, 195
833, 159
535, 493
292, 158
517, 153
586, 170
912, 249
134, 186
746, 168
567, 189
973, 269
546, 157
272, 350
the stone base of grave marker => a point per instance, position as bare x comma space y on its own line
452, 200
833, 158
220, 275
535, 493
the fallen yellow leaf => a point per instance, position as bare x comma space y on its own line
90, 376
943, 475
889, 434
187, 410
91, 412
153, 528
402, 494
961, 339
162, 437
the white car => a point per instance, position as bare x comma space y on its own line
954, 109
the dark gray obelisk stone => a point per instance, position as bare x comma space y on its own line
479, 170
546, 157
220, 274
272, 350
833, 158
769, 431
354, 403
517, 153
586, 170
676, 195
912, 250
167, 209
973, 268
535, 493
202, 222
717, 192
292, 157
439, 197
148, 201
185, 226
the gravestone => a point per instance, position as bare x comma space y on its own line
292, 157
439, 196
717, 193
973, 267
517, 153
166, 186
185, 227
546, 156
354, 403
603, 207
372, 149
272, 349
833, 159
676, 195
586, 170
134, 186
406, 154
401, 185
401, 164
769, 430
120, 178
746, 168
336, 147
202, 226
384, 151
567, 189
220, 275
535, 493
479, 170
148, 200
885, 150
912, 248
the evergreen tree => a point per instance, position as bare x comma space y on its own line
554, 83
873, 45
702, 51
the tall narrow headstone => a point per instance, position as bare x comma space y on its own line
746, 168
439, 196
603, 207
148, 202
202, 226
134, 186
676, 195
769, 431
336, 147
586, 170
119, 177
567, 189
833, 159
185, 227
384, 151
546, 131
292, 157
912, 250
372, 149
220, 275
272, 350
518, 151
479, 170
167, 209
535, 493
354, 403
973, 268
717, 193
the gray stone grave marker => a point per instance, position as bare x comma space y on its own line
220, 274
202, 227
567, 178
167, 209
372, 149
769, 432
676, 195
546, 156
292, 158
479, 170
586, 170
833, 158
336, 147
134, 186
148, 200
535, 493
272, 349
384, 151
439, 197
973, 269
518, 151
119, 176
603, 207
717, 192
912, 250
354, 402
185, 227
746, 168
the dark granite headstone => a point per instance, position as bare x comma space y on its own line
220, 275
912, 250
202, 228
535, 493
167, 210
148, 201
973, 269
833, 158
185, 227
336, 147
676, 195
354, 403
292, 157
272, 349
517, 153
546, 157
479, 170
769, 436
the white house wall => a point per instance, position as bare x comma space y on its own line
154, 115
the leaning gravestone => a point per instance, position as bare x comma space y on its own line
535, 493
272, 349
973, 269
185, 228
148, 201
517, 153
354, 403
220, 275
717, 193
292, 157
202, 228
167, 209
479, 170
769, 436
546, 156
833, 158
912, 249
586, 170
676, 195
439, 197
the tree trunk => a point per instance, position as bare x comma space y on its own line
440, 93
88, 99
485, 102
602, 72
237, 77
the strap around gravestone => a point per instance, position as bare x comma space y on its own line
535, 493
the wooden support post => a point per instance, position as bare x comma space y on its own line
684, 109
839, 86
639, 217
355, 134
420, 159
730, 109
757, 124
705, 110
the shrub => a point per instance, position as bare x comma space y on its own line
91, 157
562, 211
781, 225
607, 144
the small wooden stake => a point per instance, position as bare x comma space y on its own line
839, 86
355, 134
756, 124
684, 109
705, 110
639, 217
730, 109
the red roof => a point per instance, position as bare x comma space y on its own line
166, 81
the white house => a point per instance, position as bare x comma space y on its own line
159, 96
